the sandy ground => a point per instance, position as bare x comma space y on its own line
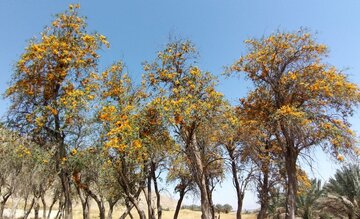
167, 203
184, 214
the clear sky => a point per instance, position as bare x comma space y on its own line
137, 29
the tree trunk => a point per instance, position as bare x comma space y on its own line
209, 193
99, 201
204, 200
28, 211
44, 206
178, 205
111, 209
151, 213
84, 199
128, 210
136, 205
36, 210
51, 206
193, 152
2, 204
67, 195
264, 189
2, 208
239, 193
290, 160
263, 210
102, 211
85, 213
157, 192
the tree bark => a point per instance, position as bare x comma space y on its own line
178, 205
239, 193
28, 211
140, 212
264, 192
2, 208
51, 206
44, 206
99, 201
2, 204
193, 152
290, 161
67, 195
36, 210
157, 192
128, 210
263, 210
151, 213
111, 209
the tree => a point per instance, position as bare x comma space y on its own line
52, 86
179, 171
159, 147
303, 101
233, 135
343, 193
12, 151
187, 98
260, 150
120, 114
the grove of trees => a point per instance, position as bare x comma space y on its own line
76, 133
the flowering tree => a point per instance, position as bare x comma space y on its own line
52, 85
304, 101
187, 99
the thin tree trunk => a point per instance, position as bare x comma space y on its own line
264, 192
36, 209
67, 195
51, 206
98, 201
157, 192
61, 210
111, 209
151, 213
84, 199
2, 208
28, 211
128, 210
178, 205
136, 205
85, 208
2, 204
209, 192
291, 183
44, 206
239, 193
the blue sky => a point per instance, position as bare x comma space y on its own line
137, 29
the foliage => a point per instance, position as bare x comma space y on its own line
110, 139
308, 200
296, 93
299, 99
343, 192
226, 208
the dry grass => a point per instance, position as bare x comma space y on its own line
167, 202
184, 214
